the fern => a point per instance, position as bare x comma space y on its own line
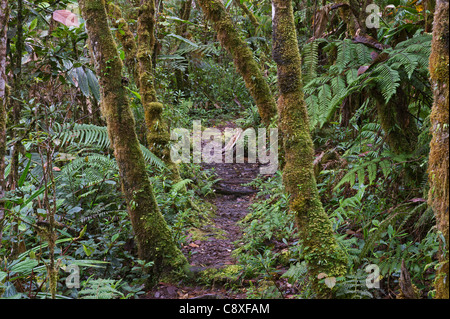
100, 289
180, 185
359, 171
310, 60
354, 287
408, 61
88, 134
388, 79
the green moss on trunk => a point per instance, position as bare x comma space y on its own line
4, 16
152, 234
242, 57
397, 123
125, 36
438, 165
322, 252
158, 136
247, 11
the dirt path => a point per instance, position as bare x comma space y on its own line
231, 202
214, 249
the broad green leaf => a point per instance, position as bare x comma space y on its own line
82, 81
33, 25
24, 266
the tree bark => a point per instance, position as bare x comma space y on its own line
438, 167
153, 237
242, 57
4, 17
321, 250
138, 59
158, 136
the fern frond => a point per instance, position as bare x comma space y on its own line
180, 185
100, 289
89, 134
388, 80
310, 60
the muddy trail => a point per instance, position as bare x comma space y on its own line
212, 252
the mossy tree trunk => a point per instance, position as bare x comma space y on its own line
438, 168
4, 17
242, 57
152, 234
138, 59
158, 137
126, 37
247, 11
397, 123
321, 250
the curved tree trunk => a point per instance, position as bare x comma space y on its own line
138, 59
247, 11
321, 250
185, 12
438, 168
242, 57
151, 231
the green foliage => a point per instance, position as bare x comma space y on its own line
100, 289
89, 135
407, 62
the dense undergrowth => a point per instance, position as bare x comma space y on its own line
375, 195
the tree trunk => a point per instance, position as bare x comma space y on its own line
138, 59
158, 136
152, 234
321, 250
438, 168
4, 16
185, 12
242, 57
126, 38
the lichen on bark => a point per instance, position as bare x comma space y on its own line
153, 237
321, 251
438, 165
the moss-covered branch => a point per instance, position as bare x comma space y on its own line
438, 166
151, 231
242, 57
247, 11
125, 36
321, 250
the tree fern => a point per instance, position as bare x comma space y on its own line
388, 80
408, 61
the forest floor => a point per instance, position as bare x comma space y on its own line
209, 249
